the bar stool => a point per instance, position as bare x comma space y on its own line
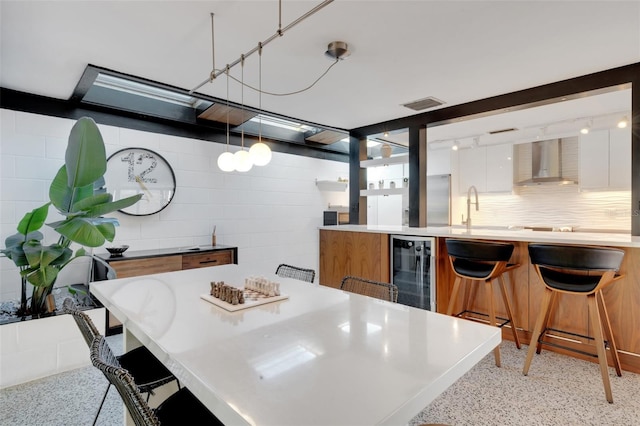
577, 270
476, 261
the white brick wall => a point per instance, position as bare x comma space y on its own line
270, 213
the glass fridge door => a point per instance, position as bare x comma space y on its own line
410, 271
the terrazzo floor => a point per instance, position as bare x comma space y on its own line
558, 391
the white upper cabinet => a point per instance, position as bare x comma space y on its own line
472, 168
489, 169
500, 168
605, 159
438, 162
594, 160
620, 158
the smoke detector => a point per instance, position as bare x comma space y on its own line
338, 50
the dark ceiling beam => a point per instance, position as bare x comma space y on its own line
36, 104
573, 88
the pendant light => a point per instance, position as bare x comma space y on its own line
241, 158
260, 153
226, 161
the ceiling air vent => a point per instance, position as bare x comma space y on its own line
422, 104
495, 132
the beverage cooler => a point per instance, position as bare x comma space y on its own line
413, 270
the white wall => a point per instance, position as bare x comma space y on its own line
387, 209
270, 213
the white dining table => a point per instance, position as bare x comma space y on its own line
320, 357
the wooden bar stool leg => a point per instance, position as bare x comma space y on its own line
542, 316
547, 320
507, 304
492, 316
469, 295
454, 295
608, 332
594, 315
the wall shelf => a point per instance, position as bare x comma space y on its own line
384, 191
331, 185
378, 162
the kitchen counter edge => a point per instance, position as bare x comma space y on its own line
583, 238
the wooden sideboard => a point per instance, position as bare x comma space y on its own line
145, 262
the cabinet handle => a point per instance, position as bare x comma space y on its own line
209, 261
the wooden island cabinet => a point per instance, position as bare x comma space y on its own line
344, 252
361, 254
145, 262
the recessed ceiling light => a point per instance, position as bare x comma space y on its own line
623, 123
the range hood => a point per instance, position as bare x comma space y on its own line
546, 164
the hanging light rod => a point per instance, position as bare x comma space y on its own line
279, 33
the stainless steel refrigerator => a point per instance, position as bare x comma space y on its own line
413, 270
439, 200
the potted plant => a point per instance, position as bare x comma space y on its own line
78, 194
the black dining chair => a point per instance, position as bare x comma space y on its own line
302, 274
582, 271
366, 287
482, 262
148, 371
181, 408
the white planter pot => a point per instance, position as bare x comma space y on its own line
41, 347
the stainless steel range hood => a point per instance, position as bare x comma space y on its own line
546, 164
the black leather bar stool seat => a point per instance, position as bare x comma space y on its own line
479, 261
583, 271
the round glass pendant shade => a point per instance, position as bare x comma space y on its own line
226, 162
260, 154
242, 161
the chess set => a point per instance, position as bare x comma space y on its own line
257, 291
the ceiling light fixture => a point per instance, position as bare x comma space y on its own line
337, 50
456, 145
241, 158
226, 161
586, 129
623, 122
260, 153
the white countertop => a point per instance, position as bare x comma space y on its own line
504, 234
321, 357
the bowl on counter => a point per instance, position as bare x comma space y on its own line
117, 250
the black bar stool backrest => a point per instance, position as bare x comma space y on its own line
577, 258
479, 251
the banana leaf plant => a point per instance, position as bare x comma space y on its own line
79, 195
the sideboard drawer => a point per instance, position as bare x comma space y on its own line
201, 260
151, 265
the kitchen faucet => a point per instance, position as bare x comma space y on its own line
468, 221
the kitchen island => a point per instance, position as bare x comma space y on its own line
343, 247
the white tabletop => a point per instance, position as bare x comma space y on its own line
321, 357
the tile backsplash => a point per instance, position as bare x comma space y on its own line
552, 206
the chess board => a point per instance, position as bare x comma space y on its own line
251, 299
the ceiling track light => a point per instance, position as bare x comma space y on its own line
339, 48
